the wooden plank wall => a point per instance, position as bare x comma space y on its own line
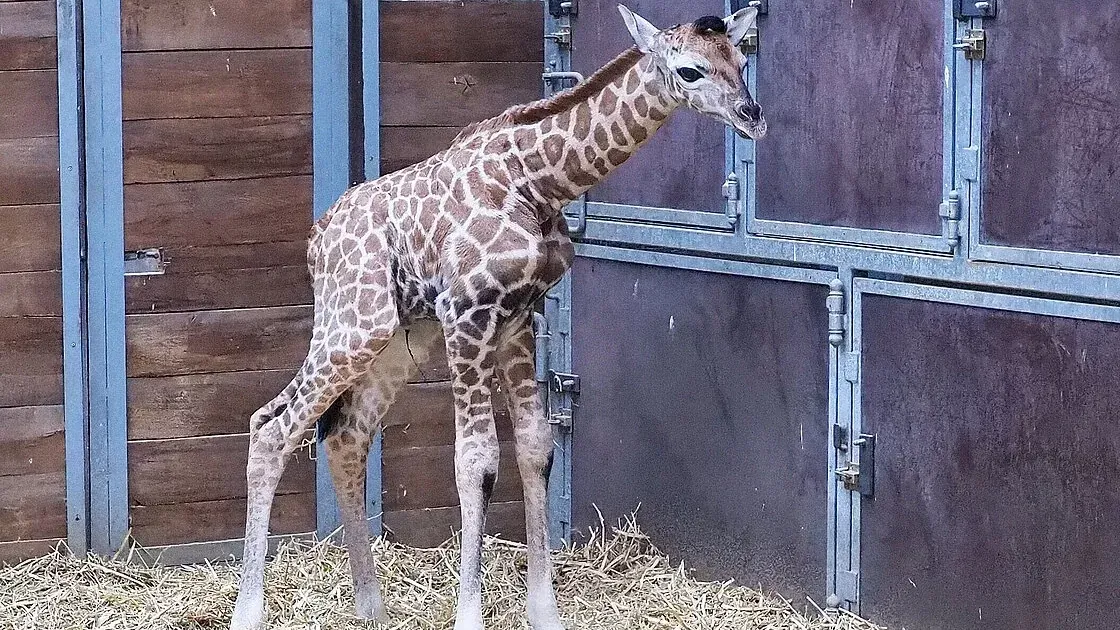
32, 451
444, 65
217, 135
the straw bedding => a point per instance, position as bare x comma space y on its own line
618, 581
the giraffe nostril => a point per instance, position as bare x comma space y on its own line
750, 111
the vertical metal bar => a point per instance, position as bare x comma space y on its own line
371, 110
104, 142
969, 105
834, 424
745, 154
949, 110
330, 103
71, 180
854, 499
558, 312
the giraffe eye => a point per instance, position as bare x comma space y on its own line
690, 74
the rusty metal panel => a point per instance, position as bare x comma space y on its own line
853, 93
996, 505
704, 399
687, 156
1051, 120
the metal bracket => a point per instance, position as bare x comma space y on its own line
859, 475
968, 163
763, 6
563, 382
561, 8
840, 438
968, 9
145, 262
847, 586
749, 45
563, 38
851, 366
555, 77
835, 305
950, 214
731, 192
974, 44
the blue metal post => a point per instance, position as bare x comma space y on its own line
330, 103
104, 197
71, 181
371, 116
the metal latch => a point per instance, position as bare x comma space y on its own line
967, 9
731, 193
557, 76
563, 37
563, 382
749, 45
974, 44
144, 262
560, 8
859, 475
950, 214
762, 5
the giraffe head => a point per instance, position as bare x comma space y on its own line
702, 66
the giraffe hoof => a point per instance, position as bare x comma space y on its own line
370, 608
469, 621
248, 614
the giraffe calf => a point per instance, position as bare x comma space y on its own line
456, 250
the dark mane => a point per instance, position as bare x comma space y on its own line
537, 111
710, 24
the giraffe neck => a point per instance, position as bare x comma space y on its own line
578, 147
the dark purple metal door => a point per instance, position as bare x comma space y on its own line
1051, 121
705, 400
996, 505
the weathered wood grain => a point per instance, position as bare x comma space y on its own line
220, 289
199, 404
416, 478
217, 520
200, 84
170, 344
218, 212
30, 104
465, 31
31, 346
424, 415
430, 527
31, 440
31, 293
405, 146
31, 238
16, 551
188, 259
34, 506
449, 94
188, 470
18, 390
190, 24
28, 171
28, 38
195, 149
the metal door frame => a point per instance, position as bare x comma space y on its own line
978, 249
558, 62
860, 286
955, 97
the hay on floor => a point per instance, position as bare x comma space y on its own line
617, 582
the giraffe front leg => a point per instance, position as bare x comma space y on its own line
534, 460
471, 356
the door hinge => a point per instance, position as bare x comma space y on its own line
950, 214
859, 475
560, 8
835, 305
145, 262
732, 195
968, 9
974, 44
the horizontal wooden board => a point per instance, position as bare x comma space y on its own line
449, 94
190, 24
31, 293
432, 526
220, 289
31, 346
30, 99
462, 31
404, 146
16, 551
168, 344
199, 404
20, 390
188, 470
27, 41
216, 148
219, 212
31, 238
209, 83
217, 520
33, 506
216, 258
28, 171
416, 478
31, 441
424, 415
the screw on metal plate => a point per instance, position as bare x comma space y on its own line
145, 262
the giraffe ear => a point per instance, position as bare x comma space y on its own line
739, 23
641, 30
